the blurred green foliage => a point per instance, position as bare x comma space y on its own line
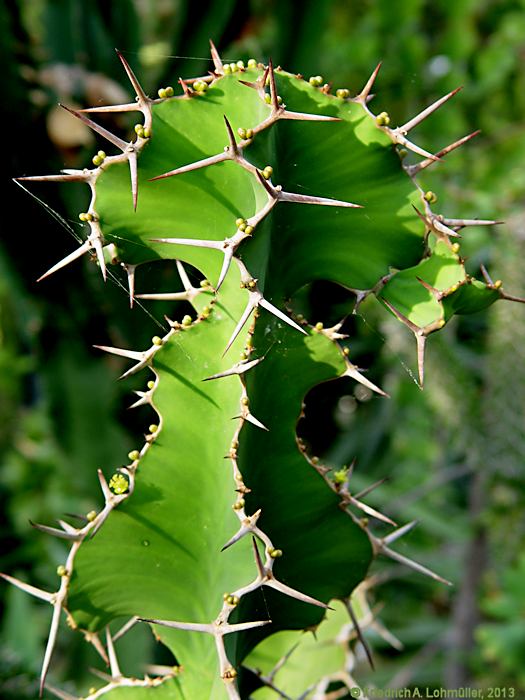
454, 455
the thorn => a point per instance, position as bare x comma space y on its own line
125, 628
141, 95
55, 532
426, 112
185, 87
273, 90
96, 243
371, 511
275, 311
196, 242
307, 199
435, 225
414, 565
132, 107
363, 95
219, 158
415, 169
360, 636
402, 140
486, 276
371, 488
51, 641
113, 661
228, 255
251, 305
129, 354
246, 526
352, 372
142, 401
435, 292
27, 588
421, 340
258, 561
61, 694
107, 493
79, 252
393, 536
511, 297
460, 223
70, 177
282, 588
132, 161
400, 317
239, 368
217, 63
130, 272
304, 117
119, 143
231, 137
251, 419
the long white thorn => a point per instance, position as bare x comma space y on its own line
400, 532
115, 140
251, 305
61, 694
96, 242
365, 92
228, 256
142, 98
125, 628
402, 140
27, 588
196, 242
132, 161
106, 491
323, 201
55, 532
415, 169
51, 641
121, 352
414, 565
189, 626
130, 273
276, 312
426, 112
113, 661
107, 109
251, 419
217, 63
283, 588
352, 372
239, 368
78, 253
204, 163
371, 511
69, 177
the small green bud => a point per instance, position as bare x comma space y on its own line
138, 128
275, 553
430, 197
251, 284
151, 384
383, 119
200, 86
61, 570
153, 428
242, 227
240, 65
279, 100
441, 323
205, 283
252, 63
239, 222
243, 355
342, 93
239, 505
455, 247
169, 91
319, 326
249, 133
497, 284
227, 68
161, 92
134, 455
245, 401
267, 98
146, 133
97, 160
340, 476
119, 484
242, 133
315, 460
315, 80
157, 340
248, 230
91, 515
83, 216
186, 321
101, 154
403, 153
267, 172
346, 351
